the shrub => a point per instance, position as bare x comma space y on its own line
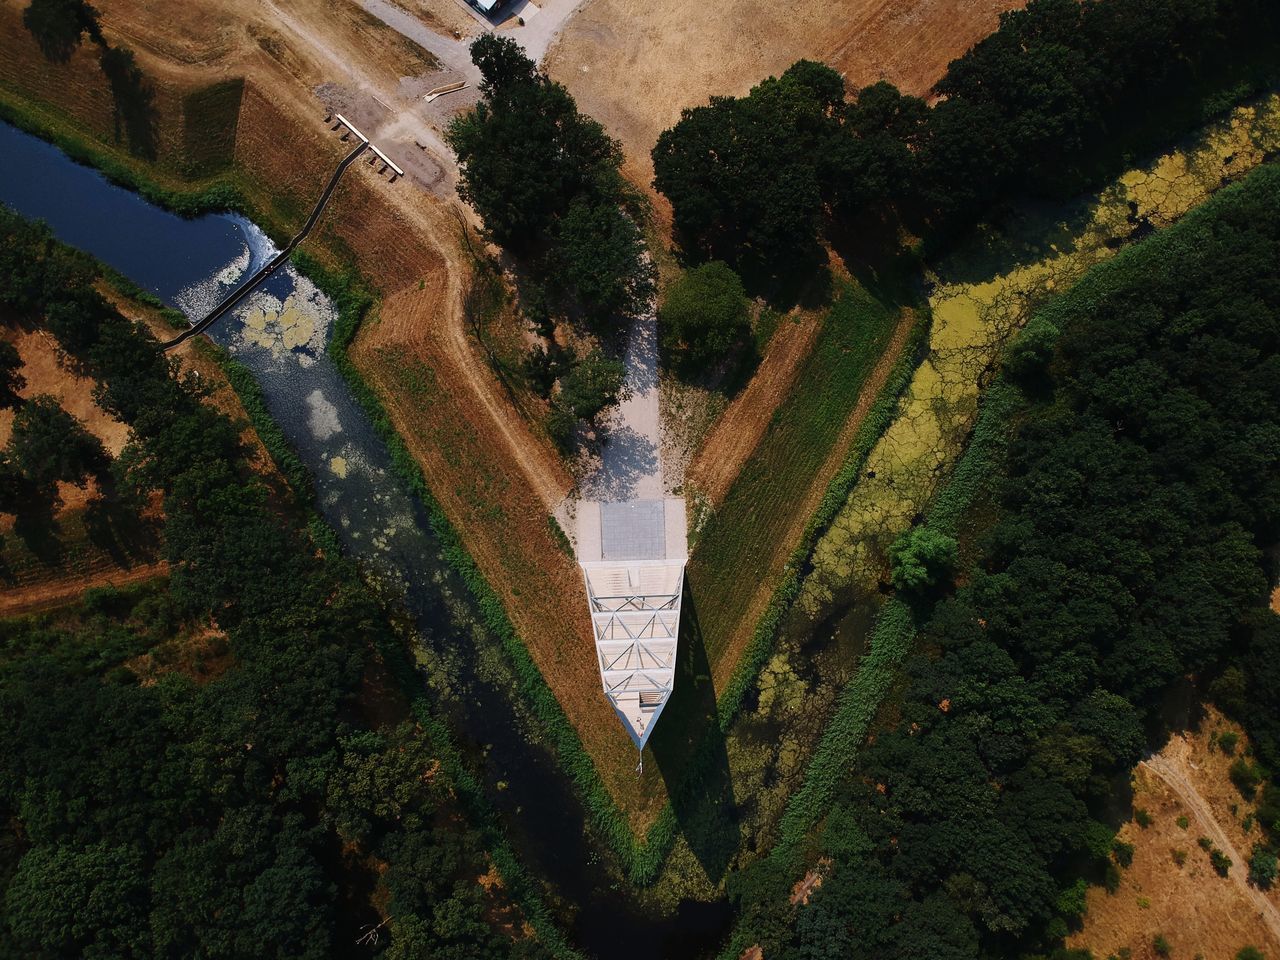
1161, 946
1183, 822
1123, 853
1205, 844
1227, 741
1221, 862
1250, 953
1026, 362
1111, 879
1142, 816
1245, 776
1179, 857
704, 315
1262, 866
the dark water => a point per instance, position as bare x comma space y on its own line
280, 333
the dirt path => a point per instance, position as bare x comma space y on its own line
442, 319
738, 430
1169, 766
16, 601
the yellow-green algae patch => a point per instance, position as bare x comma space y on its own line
974, 318
280, 329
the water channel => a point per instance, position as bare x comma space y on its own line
280, 333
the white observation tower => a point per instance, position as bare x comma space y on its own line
633, 555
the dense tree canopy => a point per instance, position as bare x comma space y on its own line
1135, 499
49, 445
755, 180
206, 815
746, 176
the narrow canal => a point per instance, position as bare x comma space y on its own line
280, 333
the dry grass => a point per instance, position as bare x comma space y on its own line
634, 64
1194, 908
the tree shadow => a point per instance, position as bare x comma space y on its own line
37, 527
121, 531
690, 750
135, 113
58, 26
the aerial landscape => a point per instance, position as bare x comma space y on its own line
589, 479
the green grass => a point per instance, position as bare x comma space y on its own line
733, 549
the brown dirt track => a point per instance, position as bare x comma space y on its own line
634, 64
738, 430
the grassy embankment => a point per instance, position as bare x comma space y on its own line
973, 322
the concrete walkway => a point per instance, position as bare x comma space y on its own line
631, 465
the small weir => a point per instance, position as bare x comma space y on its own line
277, 324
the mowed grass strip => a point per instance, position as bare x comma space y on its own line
743, 547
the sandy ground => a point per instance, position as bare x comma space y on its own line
1194, 908
46, 375
634, 64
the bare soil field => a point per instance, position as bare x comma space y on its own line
1196, 910
634, 64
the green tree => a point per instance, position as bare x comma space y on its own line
747, 176
11, 379
526, 152
705, 314
58, 26
605, 266
921, 558
1262, 866
49, 445
593, 385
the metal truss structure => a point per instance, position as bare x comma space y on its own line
633, 556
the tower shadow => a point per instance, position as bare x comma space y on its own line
692, 756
